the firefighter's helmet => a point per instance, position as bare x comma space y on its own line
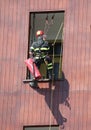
39, 33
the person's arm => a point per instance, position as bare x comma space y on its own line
31, 52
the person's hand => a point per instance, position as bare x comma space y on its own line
31, 54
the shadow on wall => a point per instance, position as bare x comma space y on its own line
60, 95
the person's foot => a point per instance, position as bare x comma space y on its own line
34, 84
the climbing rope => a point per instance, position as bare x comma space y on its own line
48, 23
52, 84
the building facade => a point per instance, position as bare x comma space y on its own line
20, 105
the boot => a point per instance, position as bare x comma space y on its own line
34, 84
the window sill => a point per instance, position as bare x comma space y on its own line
43, 80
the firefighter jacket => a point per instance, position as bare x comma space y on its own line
40, 50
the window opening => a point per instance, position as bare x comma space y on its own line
40, 128
50, 23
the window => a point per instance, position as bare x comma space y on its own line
41, 128
52, 25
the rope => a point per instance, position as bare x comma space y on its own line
60, 61
48, 24
53, 86
58, 33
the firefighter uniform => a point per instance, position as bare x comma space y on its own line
39, 51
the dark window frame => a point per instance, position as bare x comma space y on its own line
39, 126
28, 73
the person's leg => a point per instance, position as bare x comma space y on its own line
38, 63
49, 65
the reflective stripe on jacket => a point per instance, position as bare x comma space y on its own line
40, 50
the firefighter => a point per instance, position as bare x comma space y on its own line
39, 51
